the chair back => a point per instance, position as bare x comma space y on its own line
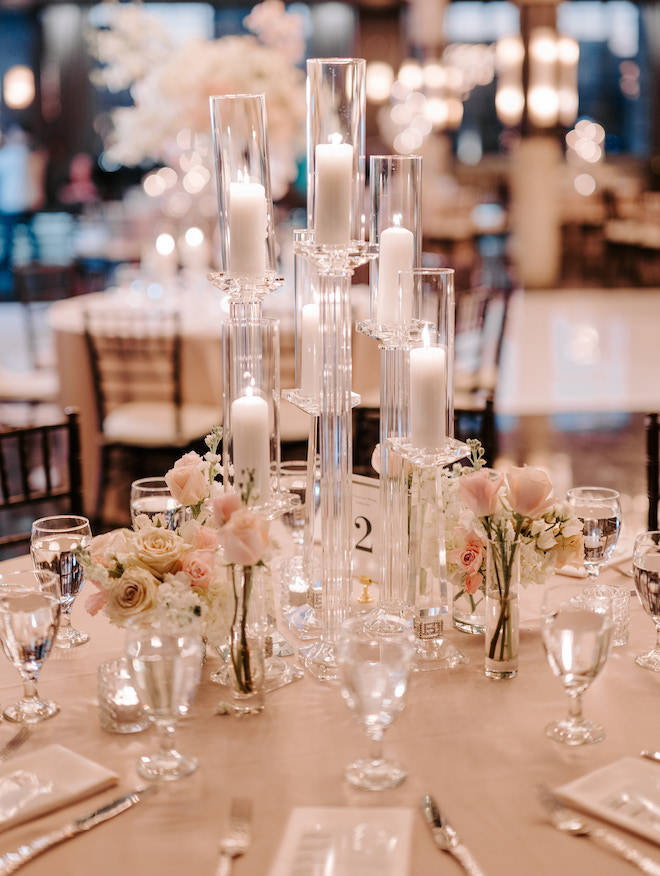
652, 469
37, 285
40, 473
135, 356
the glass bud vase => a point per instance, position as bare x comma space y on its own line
246, 676
469, 610
502, 607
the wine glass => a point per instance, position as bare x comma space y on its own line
577, 635
646, 571
30, 610
599, 509
152, 496
165, 657
374, 667
53, 546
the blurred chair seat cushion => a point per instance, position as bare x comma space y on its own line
35, 385
153, 424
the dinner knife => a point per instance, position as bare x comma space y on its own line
446, 837
10, 862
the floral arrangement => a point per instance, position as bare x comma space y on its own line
480, 503
171, 85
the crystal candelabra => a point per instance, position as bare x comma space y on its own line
426, 448
251, 367
333, 246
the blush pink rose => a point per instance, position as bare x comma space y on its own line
103, 548
95, 601
224, 506
469, 555
244, 538
203, 538
199, 567
478, 490
530, 490
186, 481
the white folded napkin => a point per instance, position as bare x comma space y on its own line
340, 841
47, 779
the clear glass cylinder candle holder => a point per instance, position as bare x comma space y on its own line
251, 409
245, 203
336, 102
432, 358
308, 352
396, 199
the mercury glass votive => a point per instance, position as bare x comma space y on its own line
120, 709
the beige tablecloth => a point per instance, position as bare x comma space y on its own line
478, 745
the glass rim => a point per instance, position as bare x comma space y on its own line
143, 483
42, 523
603, 493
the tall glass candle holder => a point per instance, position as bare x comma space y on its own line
245, 205
335, 455
336, 101
251, 410
396, 203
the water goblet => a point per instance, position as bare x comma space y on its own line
152, 497
599, 509
53, 546
165, 659
577, 635
30, 610
646, 572
374, 668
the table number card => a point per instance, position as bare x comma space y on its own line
366, 526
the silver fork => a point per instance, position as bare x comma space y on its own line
236, 839
569, 821
15, 742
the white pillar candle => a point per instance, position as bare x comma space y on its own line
251, 443
248, 219
427, 397
332, 193
396, 251
310, 378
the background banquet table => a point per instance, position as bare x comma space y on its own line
477, 745
202, 315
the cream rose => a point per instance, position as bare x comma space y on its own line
103, 548
244, 538
132, 594
161, 550
187, 481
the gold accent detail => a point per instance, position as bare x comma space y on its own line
365, 597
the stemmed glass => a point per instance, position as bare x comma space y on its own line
53, 546
30, 611
577, 635
646, 571
152, 496
374, 667
165, 657
599, 509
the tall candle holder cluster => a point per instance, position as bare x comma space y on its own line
411, 317
250, 343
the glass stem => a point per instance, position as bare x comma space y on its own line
575, 706
65, 618
166, 738
657, 638
30, 689
376, 747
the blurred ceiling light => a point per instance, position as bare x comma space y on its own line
552, 95
380, 78
153, 185
410, 73
194, 236
18, 87
165, 244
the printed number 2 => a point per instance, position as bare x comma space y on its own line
363, 523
